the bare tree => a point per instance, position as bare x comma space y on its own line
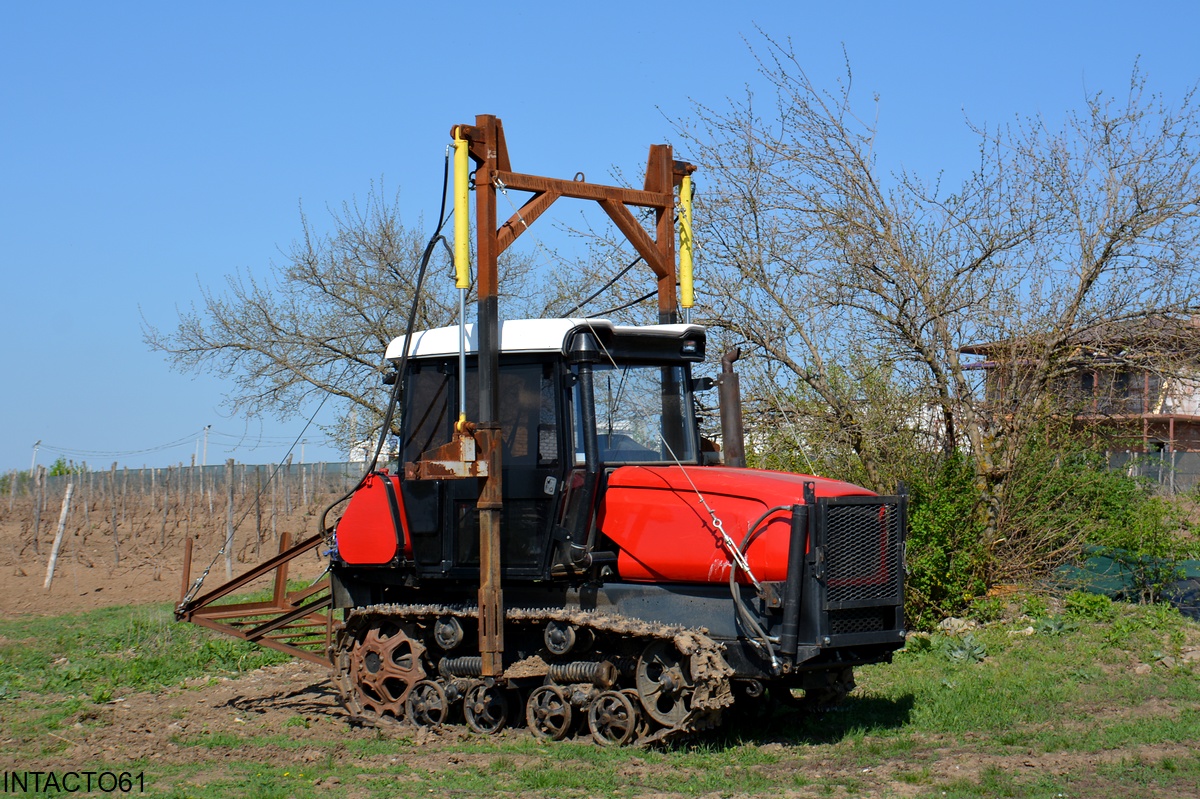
317, 325
859, 287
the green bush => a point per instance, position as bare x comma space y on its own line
946, 561
1063, 500
1059, 500
1150, 538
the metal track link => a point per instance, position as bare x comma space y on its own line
708, 688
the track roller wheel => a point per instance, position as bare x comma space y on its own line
485, 707
644, 723
613, 719
548, 713
664, 683
427, 705
385, 663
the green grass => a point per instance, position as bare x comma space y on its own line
1068, 694
104, 652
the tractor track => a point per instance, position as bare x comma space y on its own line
697, 685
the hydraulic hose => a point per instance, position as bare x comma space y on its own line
743, 613
397, 389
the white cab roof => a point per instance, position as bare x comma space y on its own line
526, 335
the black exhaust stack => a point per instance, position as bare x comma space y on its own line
729, 394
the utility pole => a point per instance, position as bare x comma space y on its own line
204, 463
33, 463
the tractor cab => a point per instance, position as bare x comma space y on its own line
577, 398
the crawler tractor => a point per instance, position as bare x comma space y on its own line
556, 545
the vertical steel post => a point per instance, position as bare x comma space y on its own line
491, 495
660, 178
279, 594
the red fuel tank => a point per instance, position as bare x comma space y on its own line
665, 534
370, 531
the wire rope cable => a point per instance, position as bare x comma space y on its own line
609, 285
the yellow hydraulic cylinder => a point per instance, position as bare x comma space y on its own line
687, 294
462, 213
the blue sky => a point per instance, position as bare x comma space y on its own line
147, 149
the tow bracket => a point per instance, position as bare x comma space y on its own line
297, 623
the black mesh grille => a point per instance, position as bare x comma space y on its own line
861, 620
862, 553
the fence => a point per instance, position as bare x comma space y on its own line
242, 506
145, 481
1172, 472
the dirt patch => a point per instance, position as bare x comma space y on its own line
292, 701
88, 574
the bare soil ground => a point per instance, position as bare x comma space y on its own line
88, 573
291, 712
295, 702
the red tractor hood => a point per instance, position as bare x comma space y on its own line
664, 533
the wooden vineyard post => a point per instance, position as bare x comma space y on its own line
229, 520
38, 492
58, 535
124, 493
166, 502
303, 484
258, 511
188, 501
112, 507
287, 487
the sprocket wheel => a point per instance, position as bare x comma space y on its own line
613, 719
664, 683
485, 707
548, 713
385, 664
427, 705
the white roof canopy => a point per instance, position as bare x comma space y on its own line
526, 335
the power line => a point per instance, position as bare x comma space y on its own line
186, 440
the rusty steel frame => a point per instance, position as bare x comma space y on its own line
286, 622
489, 151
